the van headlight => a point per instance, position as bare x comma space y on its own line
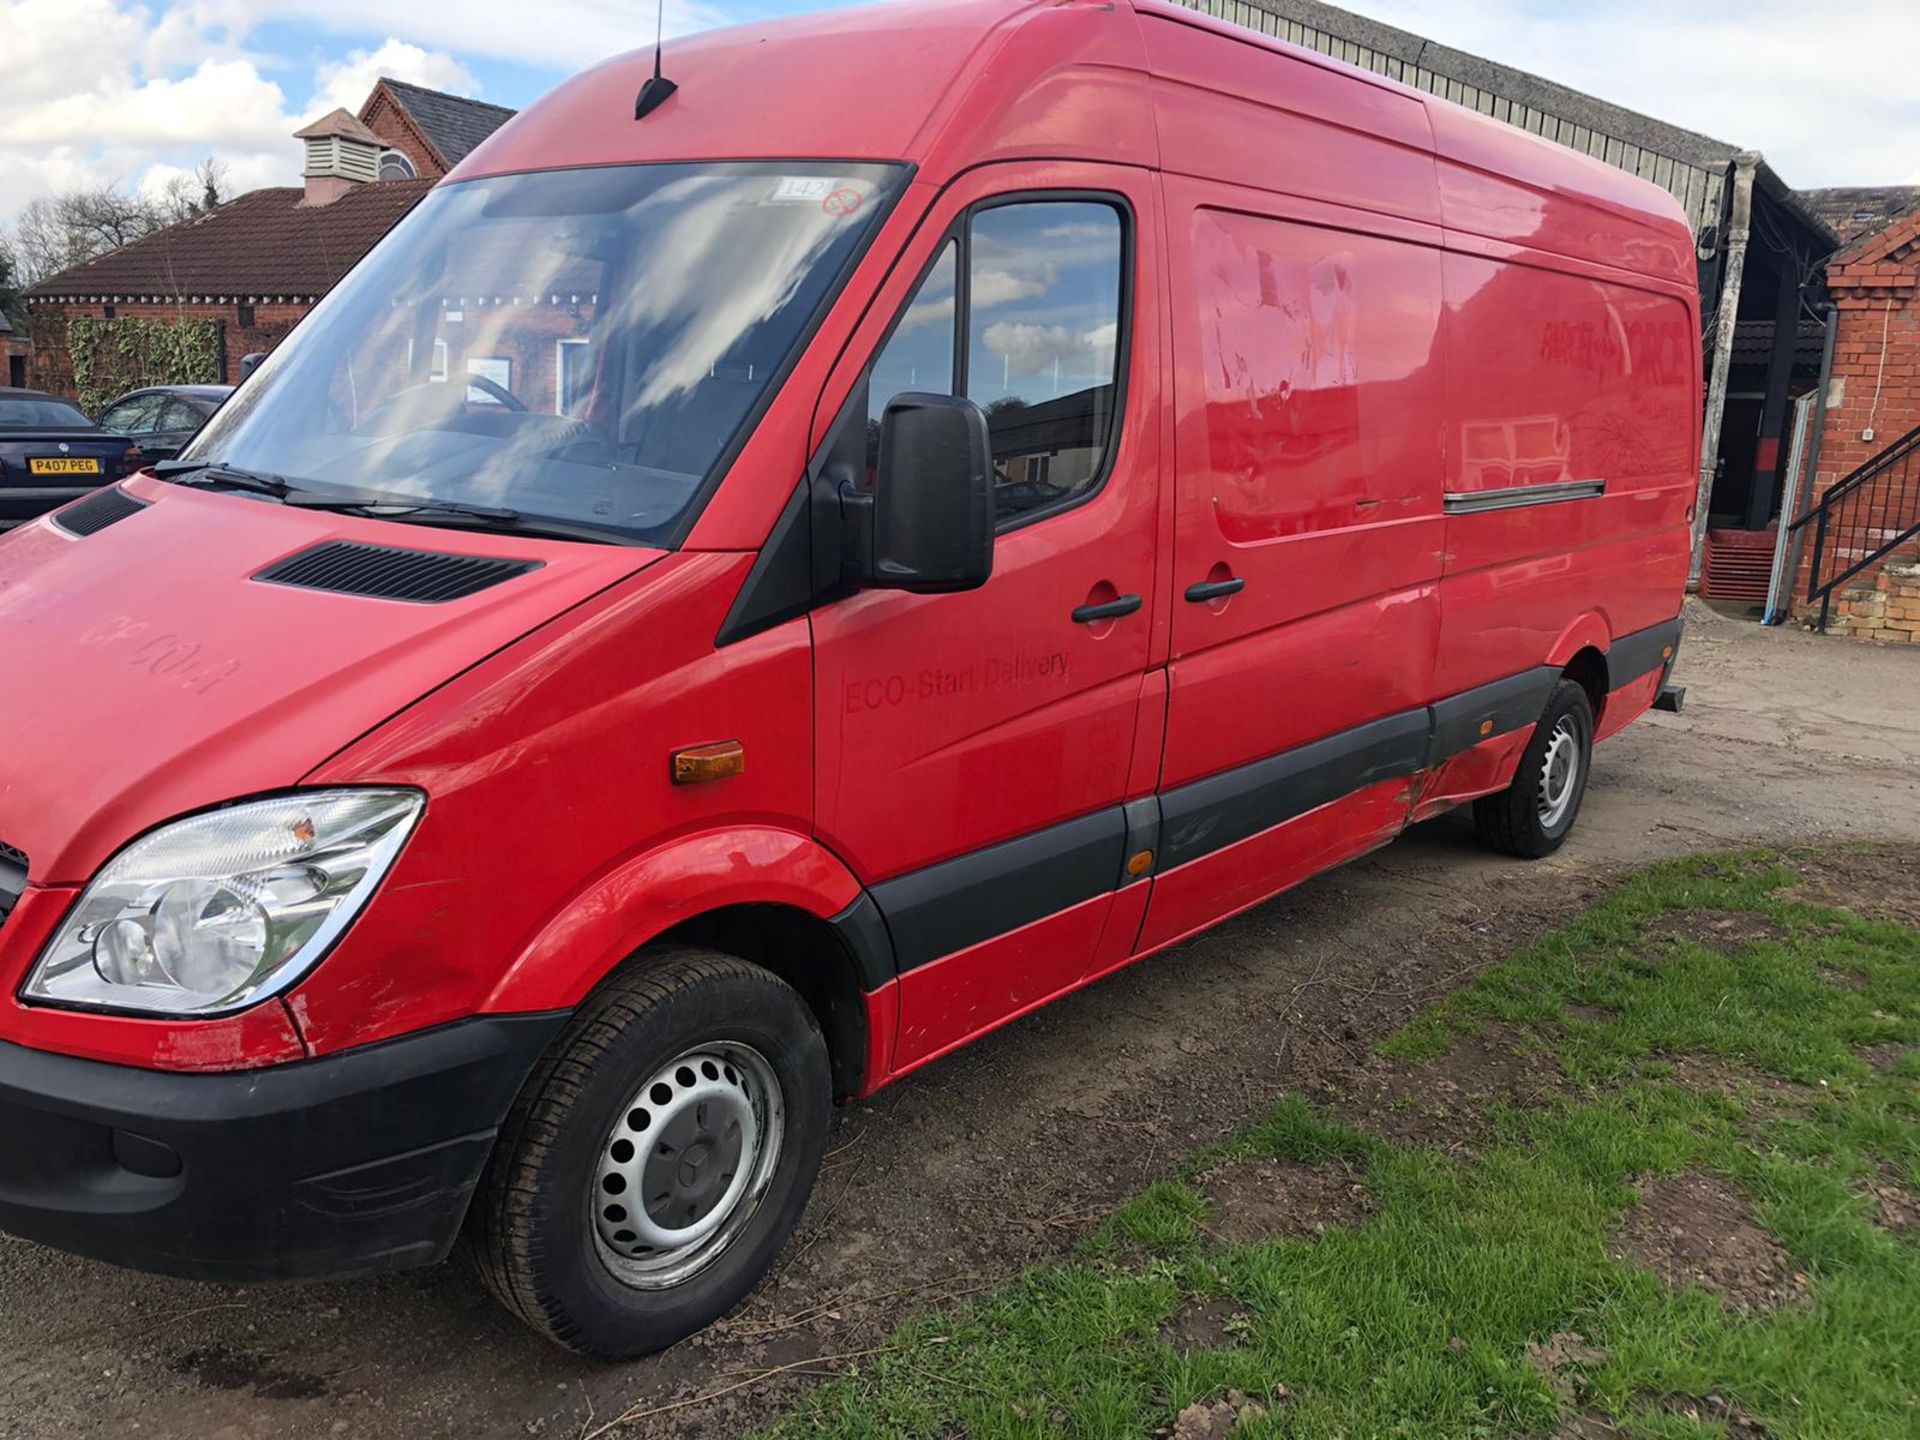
212, 913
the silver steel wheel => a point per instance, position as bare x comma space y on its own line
687, 1165
1559, 773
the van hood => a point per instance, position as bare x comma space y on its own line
146, 670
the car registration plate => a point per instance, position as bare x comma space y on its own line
57, 465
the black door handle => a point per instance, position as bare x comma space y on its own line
1215, 589
1111, 610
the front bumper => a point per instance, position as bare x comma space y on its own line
358, 1162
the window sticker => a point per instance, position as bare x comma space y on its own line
802, 189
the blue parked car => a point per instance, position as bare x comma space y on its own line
50, 453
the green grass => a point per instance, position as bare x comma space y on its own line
1416, 1322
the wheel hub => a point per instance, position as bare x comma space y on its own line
686, 1164
1559, 772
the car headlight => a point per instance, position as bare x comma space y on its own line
215, 912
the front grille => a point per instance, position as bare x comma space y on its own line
13, 878
99, 510
348, 567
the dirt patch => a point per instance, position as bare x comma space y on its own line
1443, 1101
1215, 1419
1257, 1200
1587, 1427
1769, 1095
1592, 1014
1695, 1229
1874, 882
219, 1368
1882, 1057
1214, 1323
1895, 1208
1709, 1411
1562, 1360
1723, 930
1842, 979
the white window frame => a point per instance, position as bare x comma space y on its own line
560, 372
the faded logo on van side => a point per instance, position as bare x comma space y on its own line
884, 692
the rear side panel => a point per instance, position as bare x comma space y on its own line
1571, 400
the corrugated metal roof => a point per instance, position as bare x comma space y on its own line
1690, 166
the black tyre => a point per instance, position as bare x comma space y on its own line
659, 1156
1533, 816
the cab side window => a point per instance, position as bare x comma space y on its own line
922, 353
1022, 314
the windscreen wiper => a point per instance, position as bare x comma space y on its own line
493, 517
380, 505
215, 473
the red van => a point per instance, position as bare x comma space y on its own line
721, 608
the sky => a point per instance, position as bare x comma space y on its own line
109, 91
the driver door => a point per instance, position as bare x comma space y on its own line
975, 749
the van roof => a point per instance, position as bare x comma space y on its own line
947, 84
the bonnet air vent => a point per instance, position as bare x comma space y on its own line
99, 510
380, 572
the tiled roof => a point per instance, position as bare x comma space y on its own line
454, 124
266, 243
341, 123
1853, 211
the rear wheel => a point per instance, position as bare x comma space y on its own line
1534, 815
659, 1156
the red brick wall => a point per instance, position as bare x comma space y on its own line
1876, 284
387, 120
49, 367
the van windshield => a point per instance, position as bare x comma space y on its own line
580, 346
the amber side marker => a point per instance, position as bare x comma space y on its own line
1141, 863
1486, 728
701, 763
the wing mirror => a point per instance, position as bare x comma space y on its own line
927, 524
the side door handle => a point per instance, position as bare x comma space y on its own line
1207, 590
1111, 610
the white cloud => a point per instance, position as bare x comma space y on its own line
109, 92
567, 35
345, 83
1829, 99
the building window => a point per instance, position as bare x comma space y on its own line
573, 379
396, 166
246, 317
497, 369
107, 313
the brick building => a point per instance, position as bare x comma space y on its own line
13, 355
254, 267
1871, 437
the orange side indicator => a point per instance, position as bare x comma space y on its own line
701, 763
1141, 863
1486, 728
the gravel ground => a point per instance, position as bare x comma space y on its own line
1002, 1155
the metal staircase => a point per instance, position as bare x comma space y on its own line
1863, 519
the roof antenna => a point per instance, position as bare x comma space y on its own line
658, 89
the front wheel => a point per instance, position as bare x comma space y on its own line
1534, 815
658, 1158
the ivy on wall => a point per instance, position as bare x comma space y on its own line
110, 357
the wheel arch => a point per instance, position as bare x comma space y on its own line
772, 897
1581, 655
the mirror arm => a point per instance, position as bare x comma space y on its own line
856, 532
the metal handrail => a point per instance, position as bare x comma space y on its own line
1854, 479
1875, 536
